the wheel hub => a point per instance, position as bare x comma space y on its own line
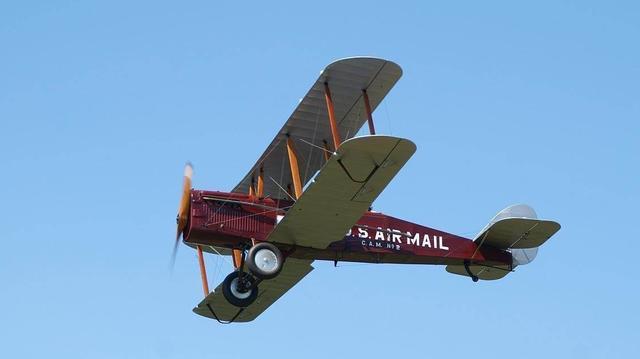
241, 289
266, 260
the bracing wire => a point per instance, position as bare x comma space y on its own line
386, 110
247, 216
313, 139
316, 146
282, 189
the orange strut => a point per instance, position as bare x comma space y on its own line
237, 258
332, 117
203, 272
251, 194
261, 183
326, 150
367, 107
295, 172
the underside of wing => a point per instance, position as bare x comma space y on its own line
343, 190
309, 127
215, 306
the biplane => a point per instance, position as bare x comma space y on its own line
309, 197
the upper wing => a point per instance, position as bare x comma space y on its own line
343, 190
215, 306
309, 126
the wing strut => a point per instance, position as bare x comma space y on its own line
261, 183
295, 171
203, 272
326, 152
367, 107
332, 117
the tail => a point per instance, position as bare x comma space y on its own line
515, 229
521, 256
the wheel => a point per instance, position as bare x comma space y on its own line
234, 294
265, 260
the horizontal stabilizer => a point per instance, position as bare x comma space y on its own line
482, 272
518, 233
517, 226
515, 229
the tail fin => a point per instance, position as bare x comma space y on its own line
515, 229
521, 256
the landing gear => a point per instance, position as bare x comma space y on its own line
265, 260
240, 289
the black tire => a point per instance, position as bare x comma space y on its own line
261, 249
232, 295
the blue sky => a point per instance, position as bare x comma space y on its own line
102, 103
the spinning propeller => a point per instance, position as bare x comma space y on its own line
183, 209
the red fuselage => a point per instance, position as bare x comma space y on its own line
232, 220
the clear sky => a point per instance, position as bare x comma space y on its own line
102, 103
